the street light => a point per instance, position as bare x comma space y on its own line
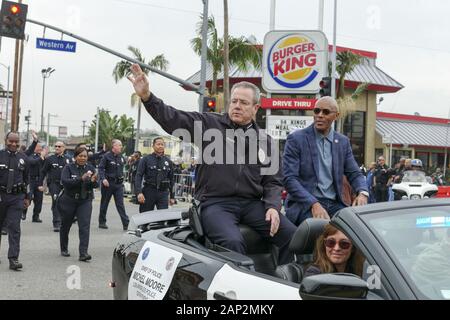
48, 126
7, 99
45, 74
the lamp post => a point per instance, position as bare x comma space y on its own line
7, 99
48, 126
45, 74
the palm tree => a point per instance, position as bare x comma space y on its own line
241, 51
346, 63
122, 70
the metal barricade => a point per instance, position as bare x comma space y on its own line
183, 187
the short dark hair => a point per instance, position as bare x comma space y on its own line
79, 150
139, 153
157, 138
80, 144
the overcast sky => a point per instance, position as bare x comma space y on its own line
411, 38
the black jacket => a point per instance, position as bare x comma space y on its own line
74, 186
53, 167
223, 180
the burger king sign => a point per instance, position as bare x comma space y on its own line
294, 61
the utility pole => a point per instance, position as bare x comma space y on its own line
48, 127
84, 126
27, 119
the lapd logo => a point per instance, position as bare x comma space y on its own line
145, 254
170, 263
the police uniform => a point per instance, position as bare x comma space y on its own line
157, 172
76, 201
111, 168
52, 168
13, 189
35, 163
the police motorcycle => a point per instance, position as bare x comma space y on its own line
414, 184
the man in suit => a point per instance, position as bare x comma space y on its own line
314, 162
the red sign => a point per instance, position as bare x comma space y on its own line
288, 103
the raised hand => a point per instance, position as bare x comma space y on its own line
140, 82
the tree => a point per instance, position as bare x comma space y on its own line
122, 70
346, 63
111, 128
242, 52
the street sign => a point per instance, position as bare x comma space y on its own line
279, 127
386, 139
58, 45
62, 132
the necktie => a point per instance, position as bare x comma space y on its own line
10, 182
83, 191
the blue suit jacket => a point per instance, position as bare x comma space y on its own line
301, 169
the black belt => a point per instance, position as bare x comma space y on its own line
115, 180
16, 189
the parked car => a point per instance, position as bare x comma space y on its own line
405, 245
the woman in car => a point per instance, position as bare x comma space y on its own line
78, 179
334, 252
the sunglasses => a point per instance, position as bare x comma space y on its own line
325, 112
343, 244
58, 146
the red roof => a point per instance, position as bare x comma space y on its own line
364, 53
398, 116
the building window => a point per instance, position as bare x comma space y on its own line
423, 156
437, 160
146, 143
354, 125
378, 152
397, 154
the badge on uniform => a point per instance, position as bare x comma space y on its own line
261, 155
166, 163
67, 161
336, 141
21, 161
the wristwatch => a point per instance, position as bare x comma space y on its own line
364, 193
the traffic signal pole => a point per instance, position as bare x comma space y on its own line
118, 54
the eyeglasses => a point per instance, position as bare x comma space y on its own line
324, 111
343, 244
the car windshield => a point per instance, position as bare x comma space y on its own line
414, 176
419, 240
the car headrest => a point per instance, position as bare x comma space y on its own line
254, 242
304, 239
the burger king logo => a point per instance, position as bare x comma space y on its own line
292, 61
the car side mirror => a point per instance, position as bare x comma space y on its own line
333, 286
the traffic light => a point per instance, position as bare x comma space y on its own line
12, 19
209, 104
325, 86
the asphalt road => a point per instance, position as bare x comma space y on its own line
46, 274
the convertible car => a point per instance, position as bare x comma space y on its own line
405, 247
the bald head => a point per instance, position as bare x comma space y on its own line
329, 101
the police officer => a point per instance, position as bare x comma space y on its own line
52, 169
157, 170
134, 165
110, 171
382, 176
229, 193
13, 185
78, 179
36, 161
